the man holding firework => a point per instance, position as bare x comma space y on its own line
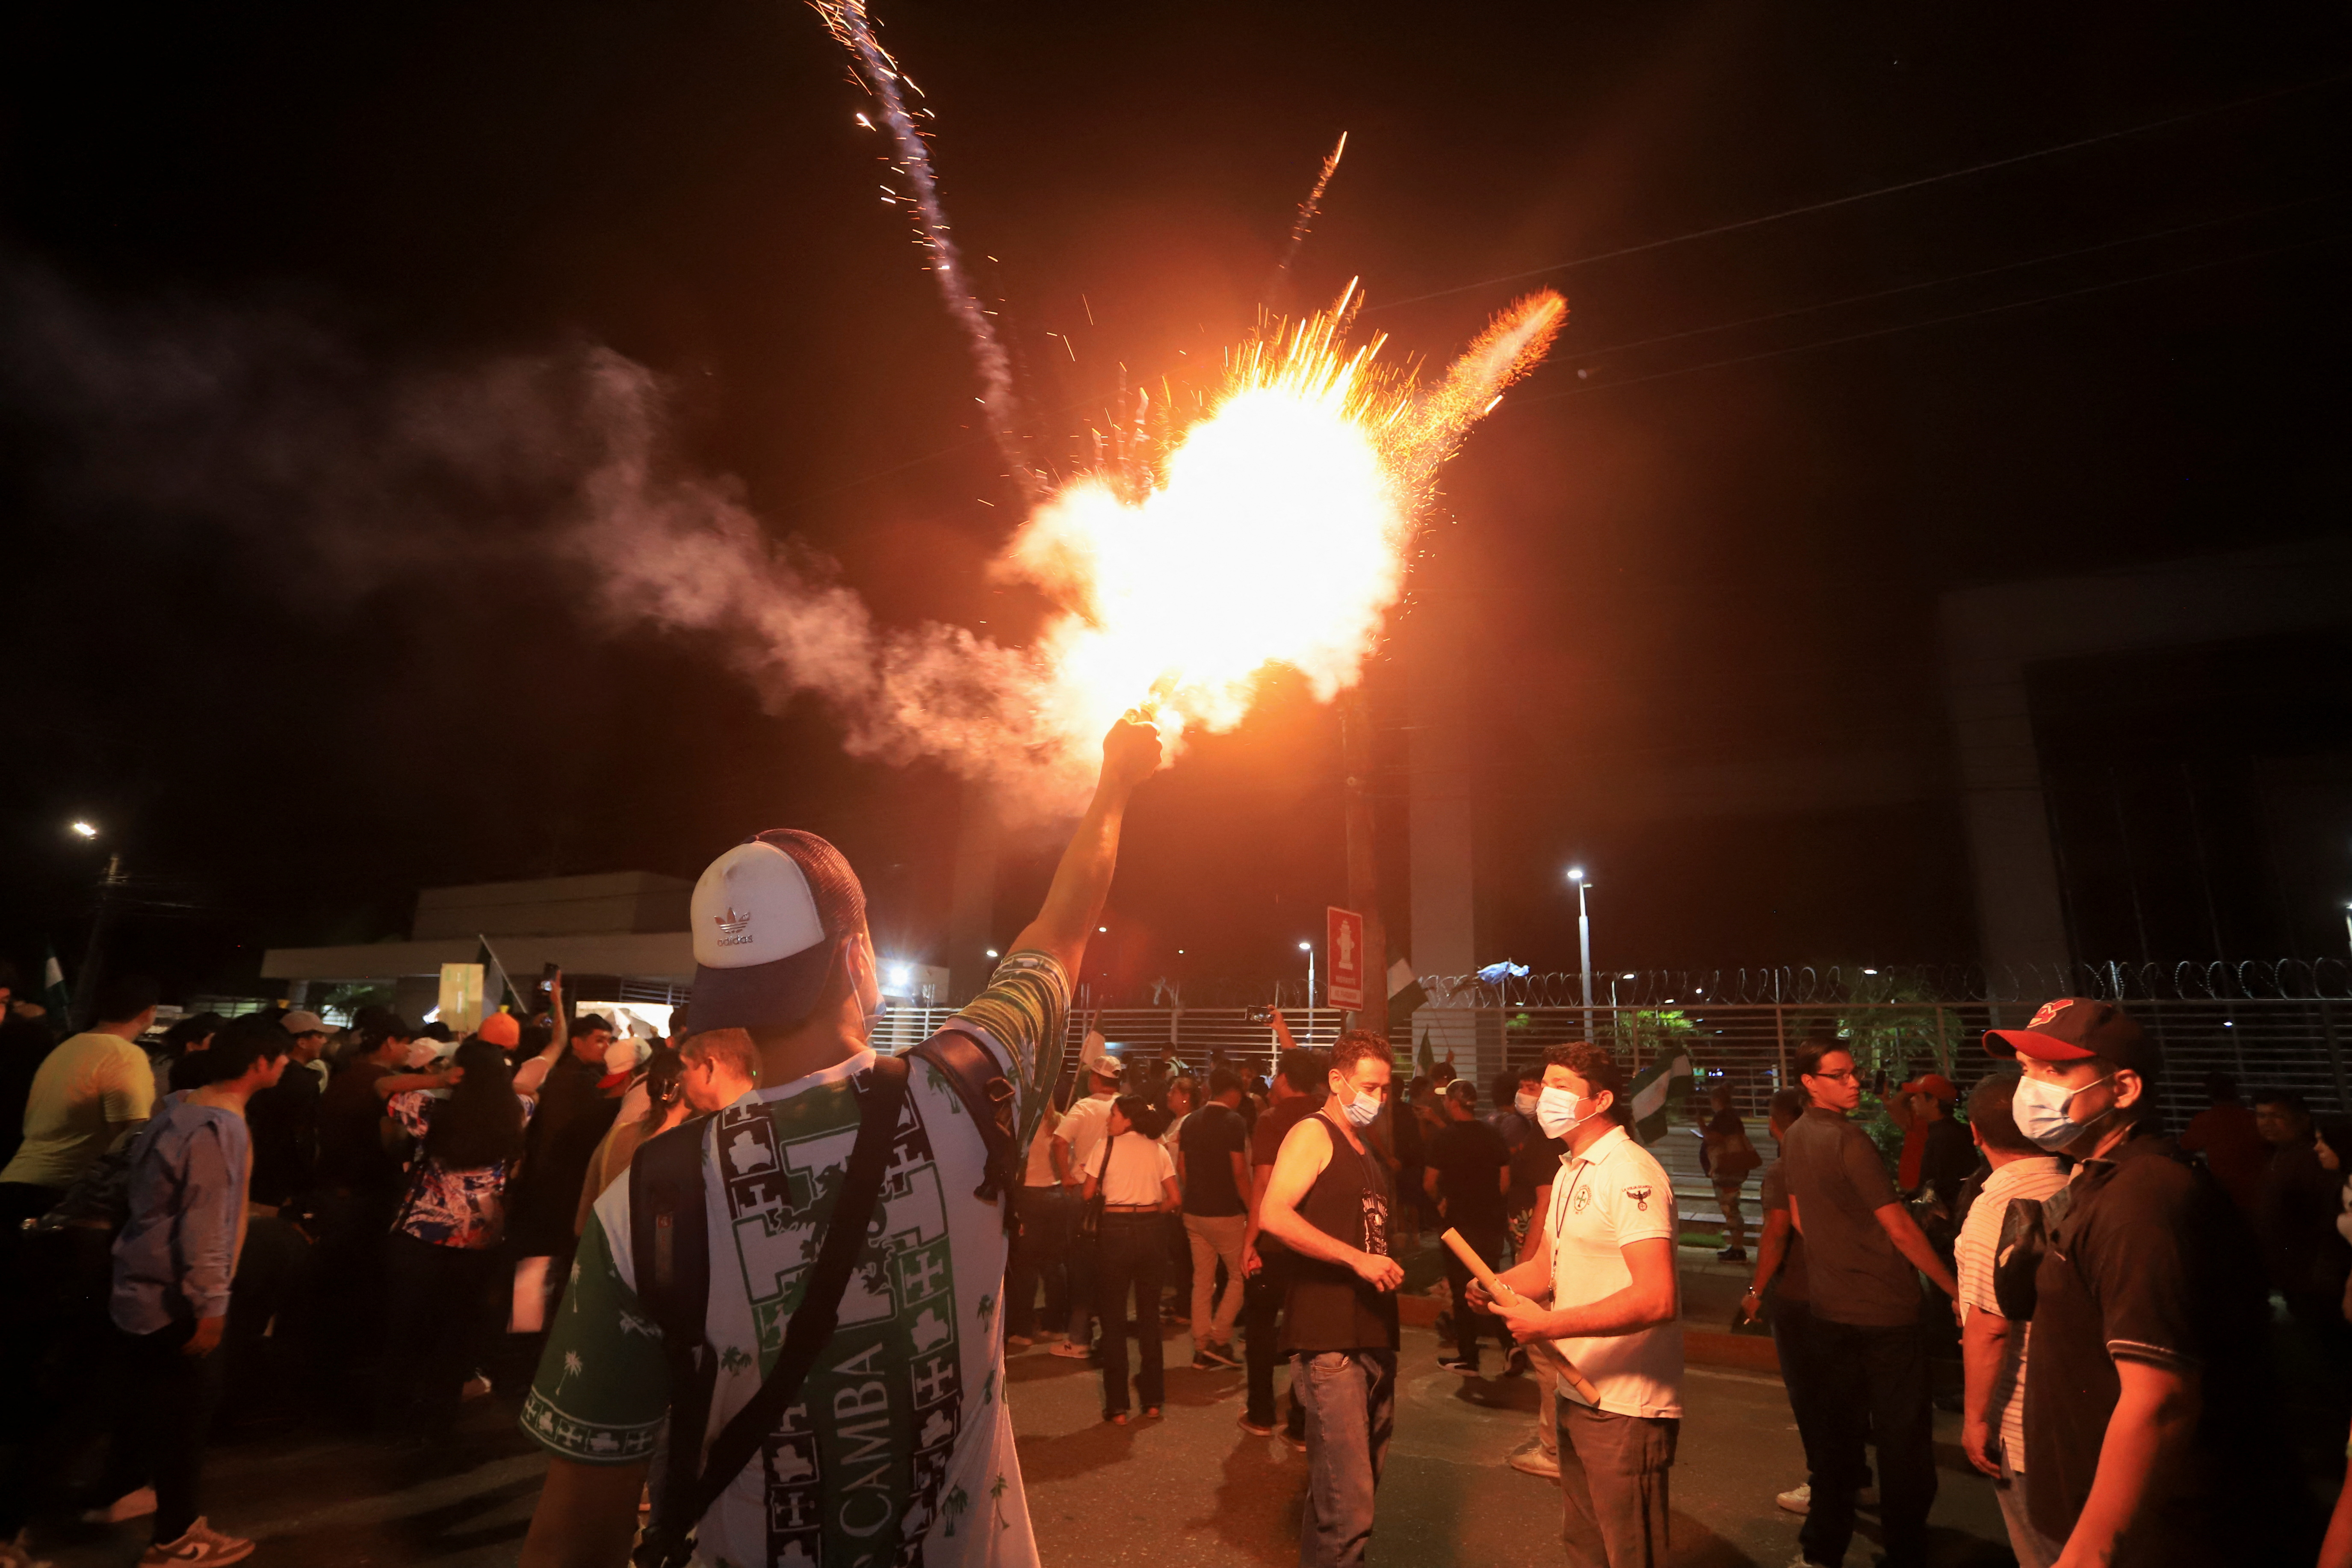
883, 1436
1605, 1260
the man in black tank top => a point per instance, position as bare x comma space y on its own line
1329, 1202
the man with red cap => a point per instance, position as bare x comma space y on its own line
2146, 1380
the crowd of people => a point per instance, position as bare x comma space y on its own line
770, 1277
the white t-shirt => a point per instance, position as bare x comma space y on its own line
1083, 1126
1137, 1166
1613, 1194
899, 1449
2036, 1177
1040, 1170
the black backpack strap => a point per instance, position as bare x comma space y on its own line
669, 1243
668, 1539
989, 1097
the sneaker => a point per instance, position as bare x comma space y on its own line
202, 1544
17, 1554
129, 1505
1298, 1440
1256, 1429
1533, 1458
1071, 1350
1516, 1364
477, 1387
1217, 1353
1458, 1363
1018, 1341
1732, 1255
1796, 1499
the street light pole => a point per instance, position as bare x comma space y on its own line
1309, 949
1583, 942
85, 998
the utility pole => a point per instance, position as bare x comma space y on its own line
86, 982
1363, 871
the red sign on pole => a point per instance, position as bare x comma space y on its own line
1344, 950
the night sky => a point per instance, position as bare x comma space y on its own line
297, 675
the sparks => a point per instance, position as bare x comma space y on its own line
1273, 530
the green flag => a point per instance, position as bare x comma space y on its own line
1659, 1090
54, 994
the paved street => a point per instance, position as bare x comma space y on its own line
1192, 1488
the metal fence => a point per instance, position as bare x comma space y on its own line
2263, 1042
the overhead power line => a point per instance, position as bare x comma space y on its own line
1895, 189
1933, 320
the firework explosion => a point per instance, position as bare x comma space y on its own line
1273, 530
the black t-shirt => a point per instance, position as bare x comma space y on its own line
1209, 1139
1535, 1165
1839, 1180
1468, 1156
1327, 1306
283, 1123
1947, 1161
2147, 1261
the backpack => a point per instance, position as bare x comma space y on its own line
669, 1242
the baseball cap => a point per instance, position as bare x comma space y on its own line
298, 1022
1933, 1083
1463, 1089
501, 1031
2073, 1028
622, 1057
765, 917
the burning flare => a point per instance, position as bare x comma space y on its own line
1271, 531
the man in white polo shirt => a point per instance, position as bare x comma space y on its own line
1606, 1263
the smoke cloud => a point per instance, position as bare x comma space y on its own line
271, 430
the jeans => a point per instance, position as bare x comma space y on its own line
1469, 1325
1133, 1252
1080, 1258
1215, 1238
1040, 1255
2033, 1549
1613, 1483
172, 1396
1873, 1386
1350, 1401
1262, 1296
440, 1306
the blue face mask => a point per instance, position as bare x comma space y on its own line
1361, 1112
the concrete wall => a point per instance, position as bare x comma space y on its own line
1991, 634
609, 902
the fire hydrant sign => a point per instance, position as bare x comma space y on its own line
1344, 952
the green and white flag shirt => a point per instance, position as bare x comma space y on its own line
900, 1450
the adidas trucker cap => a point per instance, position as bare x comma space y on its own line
766, 915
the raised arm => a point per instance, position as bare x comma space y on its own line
1081, 881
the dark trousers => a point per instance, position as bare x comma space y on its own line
170, 1399
1039, 1256
1873, 1386
269, 1321
1794, 1342
1468, 1324
1262, 1296
439, 1302
1613, 1483
1132, 1254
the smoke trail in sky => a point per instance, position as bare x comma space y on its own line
1306, 211
847, 21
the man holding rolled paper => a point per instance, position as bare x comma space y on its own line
1606, 1265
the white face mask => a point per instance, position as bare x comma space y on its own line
2040, 1108
1523, 1103
1556, 1113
